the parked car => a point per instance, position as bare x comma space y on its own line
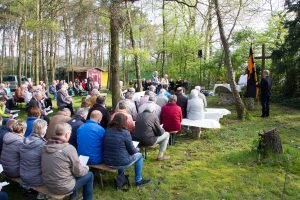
13, 81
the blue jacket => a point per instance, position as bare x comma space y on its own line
29, 122
89, 141
118, 148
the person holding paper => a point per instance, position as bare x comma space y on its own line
118, 149
4, 115
61, 169
36, 101
90, 138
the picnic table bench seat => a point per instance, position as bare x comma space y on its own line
102, 168
43, 190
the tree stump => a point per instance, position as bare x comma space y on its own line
270, 141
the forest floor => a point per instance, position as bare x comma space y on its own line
221, 165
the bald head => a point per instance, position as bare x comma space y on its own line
96, 115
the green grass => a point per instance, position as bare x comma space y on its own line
221, 165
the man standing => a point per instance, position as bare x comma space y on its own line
266, 91
90, 138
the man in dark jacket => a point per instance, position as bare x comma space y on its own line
5, 129
181, 101
100, 105
265, 94
148, 131
76, 122
36, 102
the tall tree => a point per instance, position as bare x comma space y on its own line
240, 107
115, 24
135, 53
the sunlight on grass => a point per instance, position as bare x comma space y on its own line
221, 165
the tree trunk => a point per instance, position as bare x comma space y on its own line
240, 108
3, 55
11, 50
208, 34
20, 54
114, 55
52, 46
36, 45
25, 49
136, 58
163, 71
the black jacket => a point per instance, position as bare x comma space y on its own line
3, 130
105, 114
34, 103
147, 128
182, 103
265, 87
118, 148
76, 122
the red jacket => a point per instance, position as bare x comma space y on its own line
171, 117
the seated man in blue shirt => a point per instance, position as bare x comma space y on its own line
90, 138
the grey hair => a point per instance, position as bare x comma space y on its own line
39, 127
162, 91
150, 107
152, 88
62, 129
37, 93
128, 95
82, 112
67, 111
267, 72
194, 93
122, 105
95, 92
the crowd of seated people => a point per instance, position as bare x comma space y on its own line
55, 143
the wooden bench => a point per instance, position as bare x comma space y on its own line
102, 168
144, 149
43, 190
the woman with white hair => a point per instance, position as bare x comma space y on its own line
63, 100
30, 156
201, 95
195, 106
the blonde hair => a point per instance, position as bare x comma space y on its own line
39, 127
19, 126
